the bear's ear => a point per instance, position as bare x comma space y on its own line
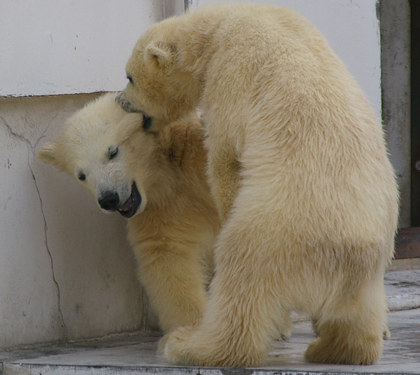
161, 54
48, 154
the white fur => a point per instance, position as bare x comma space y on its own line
299, 172
173, 231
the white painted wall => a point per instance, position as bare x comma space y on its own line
352, 29
51, 47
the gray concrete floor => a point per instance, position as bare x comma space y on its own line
136, 354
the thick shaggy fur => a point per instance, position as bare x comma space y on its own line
173, 231
299, 172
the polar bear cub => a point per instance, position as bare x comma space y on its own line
158, 182
299, 172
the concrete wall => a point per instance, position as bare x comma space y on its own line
70, 47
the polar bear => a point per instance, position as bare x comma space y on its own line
299, 172
158, 182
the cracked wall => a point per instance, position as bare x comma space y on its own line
66, 269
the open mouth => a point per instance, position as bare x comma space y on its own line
129, 208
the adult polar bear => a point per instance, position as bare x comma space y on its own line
299, 172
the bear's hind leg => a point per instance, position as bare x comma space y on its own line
353, 332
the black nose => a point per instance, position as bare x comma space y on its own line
109, 201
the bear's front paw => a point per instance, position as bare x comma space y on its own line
284, 334
178, 348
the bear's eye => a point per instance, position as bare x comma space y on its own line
112, 153
130, 79
81, 176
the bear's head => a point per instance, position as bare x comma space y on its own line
108, 152
160, 85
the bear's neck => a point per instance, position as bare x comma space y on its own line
161, 189
196, 39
